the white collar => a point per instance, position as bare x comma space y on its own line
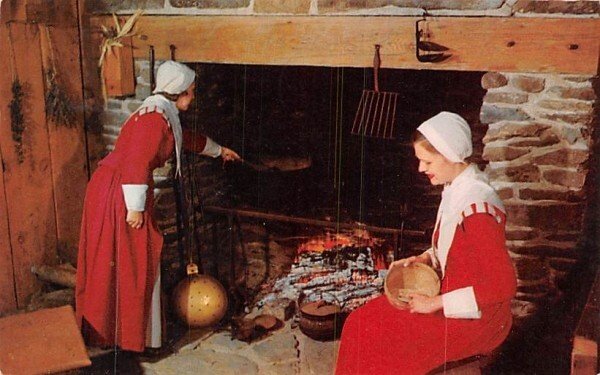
470, 186
170, 110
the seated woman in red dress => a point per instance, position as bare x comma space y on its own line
472, 314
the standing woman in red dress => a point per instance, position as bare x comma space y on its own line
118, 271
472, 314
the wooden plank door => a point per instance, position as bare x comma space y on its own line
44, 174
62, 69
8, 299
26, 158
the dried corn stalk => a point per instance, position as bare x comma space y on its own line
113, 38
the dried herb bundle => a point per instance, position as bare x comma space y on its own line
58, 107
17, 119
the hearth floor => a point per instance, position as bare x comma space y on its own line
285, 351
540, 347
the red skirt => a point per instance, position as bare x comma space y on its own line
116, 266
381, 339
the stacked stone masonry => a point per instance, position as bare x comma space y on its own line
498, 8
538, 146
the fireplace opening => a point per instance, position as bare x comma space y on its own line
296, 121
305, 169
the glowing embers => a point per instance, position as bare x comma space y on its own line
336, 268
332, 241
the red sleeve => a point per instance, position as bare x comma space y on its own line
495, 279
145, 137
193, 141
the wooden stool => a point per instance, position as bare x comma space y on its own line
466, 366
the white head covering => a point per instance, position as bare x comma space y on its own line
173, 78
450, 134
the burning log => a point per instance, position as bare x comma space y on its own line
63, 274
344, 274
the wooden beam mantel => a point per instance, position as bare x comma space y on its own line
476, 43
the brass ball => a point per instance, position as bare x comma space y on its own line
200, 301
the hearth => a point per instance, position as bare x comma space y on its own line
342, 269
531, 131
273, 115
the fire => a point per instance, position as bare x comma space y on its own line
330, 241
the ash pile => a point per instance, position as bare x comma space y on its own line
340, 271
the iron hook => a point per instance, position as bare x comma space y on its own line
427, 46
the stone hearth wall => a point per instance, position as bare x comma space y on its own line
538, 143
499, 8
538, 146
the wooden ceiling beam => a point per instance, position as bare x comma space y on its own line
562, 45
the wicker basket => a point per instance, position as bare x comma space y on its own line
416, 278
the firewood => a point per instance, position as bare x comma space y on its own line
267, 322
64, 274
53, 299
243, 329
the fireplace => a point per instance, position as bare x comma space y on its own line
304, 113
532, 133
289, 94
275, 113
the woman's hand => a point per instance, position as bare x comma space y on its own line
423, 258
135, 219
421, 304
228, 154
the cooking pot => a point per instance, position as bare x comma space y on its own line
321, 320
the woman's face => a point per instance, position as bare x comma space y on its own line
185, 98
434, 165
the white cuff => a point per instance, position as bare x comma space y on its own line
211, 148
135, 196
461, 304
435, 264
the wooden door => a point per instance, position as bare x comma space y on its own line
42, 150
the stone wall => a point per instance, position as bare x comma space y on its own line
499, 8
539, 146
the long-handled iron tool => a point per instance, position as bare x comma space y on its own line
376, 114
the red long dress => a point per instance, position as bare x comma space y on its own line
116, 266
381, 339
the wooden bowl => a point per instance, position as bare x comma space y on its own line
416, 278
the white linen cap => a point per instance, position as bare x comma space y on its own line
450, 134
173, 78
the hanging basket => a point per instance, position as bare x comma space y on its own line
118, 70
116, 59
